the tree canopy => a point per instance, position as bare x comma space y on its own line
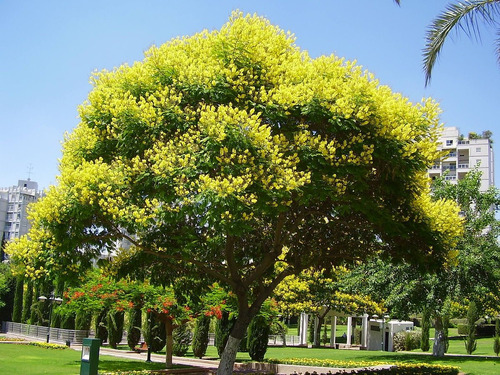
227, 152
472, 274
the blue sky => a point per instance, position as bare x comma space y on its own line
48, 50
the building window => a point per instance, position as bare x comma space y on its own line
449, 142
478, 149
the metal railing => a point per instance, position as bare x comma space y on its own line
59, 335
277, 340
274, 340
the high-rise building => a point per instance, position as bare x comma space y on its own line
14, 201
465, 154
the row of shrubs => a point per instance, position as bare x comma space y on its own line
482, 330
453, 323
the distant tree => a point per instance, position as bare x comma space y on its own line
115, 323
426, 327
181, 340
200, 336
134, 327
473, 274
18, 300
487, 134
101, 330
258, 337
7, 289
470, 338
83, 320
496, 341
223, 328
317, 293
155, 332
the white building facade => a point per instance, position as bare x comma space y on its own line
14, 202
464, 154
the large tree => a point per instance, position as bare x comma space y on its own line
224, 153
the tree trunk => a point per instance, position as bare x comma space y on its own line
169, 328
318, 323
228, 357
439, 345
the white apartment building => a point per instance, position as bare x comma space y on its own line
464, 154
14, 201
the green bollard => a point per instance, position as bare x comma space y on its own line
90, 356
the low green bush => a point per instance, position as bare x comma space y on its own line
485, 330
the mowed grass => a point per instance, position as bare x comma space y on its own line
467, 364
31, 360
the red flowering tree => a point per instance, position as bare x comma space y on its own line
101, 292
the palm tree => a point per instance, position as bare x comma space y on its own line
462, 15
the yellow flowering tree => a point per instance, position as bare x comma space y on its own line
220, 150
318, 292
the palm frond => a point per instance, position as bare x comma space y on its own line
460, 16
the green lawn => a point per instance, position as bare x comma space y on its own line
469, 365
472, 366
24, 359
32, 360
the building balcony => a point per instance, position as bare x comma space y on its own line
463, 166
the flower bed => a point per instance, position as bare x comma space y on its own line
396, 368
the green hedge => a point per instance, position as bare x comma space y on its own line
482, 330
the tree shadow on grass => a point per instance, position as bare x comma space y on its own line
116, 365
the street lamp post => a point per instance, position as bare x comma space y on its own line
51, 299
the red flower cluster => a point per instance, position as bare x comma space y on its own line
215, 311
77, 295
109, 295
95, 288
